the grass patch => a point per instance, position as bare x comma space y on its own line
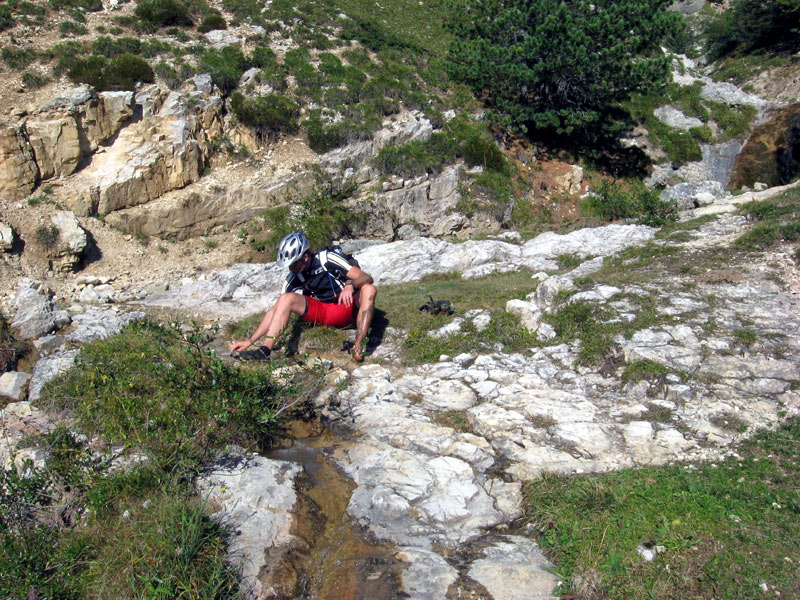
776, 220
455, 419
504, 333
711, 522
161, 390
613, 201
643, 369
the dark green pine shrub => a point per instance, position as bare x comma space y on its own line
267, 115
6, 19
120, 73
212, 22
225, 66
560, 67
754, 25
164, 13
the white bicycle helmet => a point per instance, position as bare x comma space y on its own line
292, 248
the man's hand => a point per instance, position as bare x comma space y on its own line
240, 345
346, 296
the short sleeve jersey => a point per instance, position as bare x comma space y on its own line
324, 279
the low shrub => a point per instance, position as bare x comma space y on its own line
47, 237
613, 201
67, 54
212, 22
89, 5
225, 66
325, 136
111, 47
18, 58
461, 138
121, 73
71, 28
267, 115
32, 80
7, 21
164, 13
322, 216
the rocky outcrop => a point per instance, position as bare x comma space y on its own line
252, 288
54, 140
772, 154
19, 174
161, 152
13, 384
71, 244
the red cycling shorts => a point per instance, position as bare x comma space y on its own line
330, 314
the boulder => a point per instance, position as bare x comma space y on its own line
18, 171
772, 154
47, 369
36, 314
672, 117
99, 324
72, 241
13, 383
6, 237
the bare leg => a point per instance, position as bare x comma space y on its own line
366, 309
274, 320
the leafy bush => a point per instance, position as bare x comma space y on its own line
32, 80
612, 201
164, 13
225, 66
121, 73
560, 67
18, 58
212, 22
754, 25
160, 389
267, 115
6, 20
322, 216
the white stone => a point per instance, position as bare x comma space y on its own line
514, 568
254, 496
6, 237
12, 384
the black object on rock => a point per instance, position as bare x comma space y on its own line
438, 307
259, 354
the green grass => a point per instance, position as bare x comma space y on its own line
776, 220
684, 146
724, 529
143, 532
160, 390
639, 370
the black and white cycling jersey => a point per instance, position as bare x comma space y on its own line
325, 276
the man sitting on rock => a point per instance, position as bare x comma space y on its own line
326, 288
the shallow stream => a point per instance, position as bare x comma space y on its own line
341, 563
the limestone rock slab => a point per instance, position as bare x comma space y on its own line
514, 568
253, 496
12, 384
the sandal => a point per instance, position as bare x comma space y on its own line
261, 354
